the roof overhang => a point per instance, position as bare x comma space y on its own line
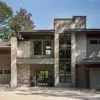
86, 31
38, 32
89, 62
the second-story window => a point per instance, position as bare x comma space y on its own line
37, 48
42, 48
47, 48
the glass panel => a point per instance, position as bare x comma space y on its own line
1, 71
93, 41
65, 73
37, 48
47, 48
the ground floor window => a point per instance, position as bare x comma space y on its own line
3, 71
65, 73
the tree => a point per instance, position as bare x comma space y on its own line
22, 21
6, 14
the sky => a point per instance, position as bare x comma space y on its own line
44, 11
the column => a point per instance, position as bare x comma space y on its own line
13, 62
56, 58
73, 58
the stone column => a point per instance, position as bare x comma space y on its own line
73, 58
56, 58
13, 62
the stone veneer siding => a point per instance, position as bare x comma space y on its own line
23, 50
23, 72
61, 26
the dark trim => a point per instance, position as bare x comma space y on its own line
39, 30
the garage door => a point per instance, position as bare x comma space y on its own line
95, 78
5, 76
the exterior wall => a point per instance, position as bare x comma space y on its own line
81, 46
93, 50
77, 22
73, 58
62, 25
13, 62
23, 50
23, 72
36, 61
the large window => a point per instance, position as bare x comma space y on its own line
65, 58
42, 48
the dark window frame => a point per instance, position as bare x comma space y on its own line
42, 47
94, 42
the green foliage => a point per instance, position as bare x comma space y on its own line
22, 21
5, 17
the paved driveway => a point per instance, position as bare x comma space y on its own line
42, 93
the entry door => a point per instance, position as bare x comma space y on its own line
44, 77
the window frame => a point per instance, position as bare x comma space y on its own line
42, 41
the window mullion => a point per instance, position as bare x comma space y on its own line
42, 47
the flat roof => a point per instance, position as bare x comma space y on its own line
51, 31
39, 32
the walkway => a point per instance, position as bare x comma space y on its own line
43, 93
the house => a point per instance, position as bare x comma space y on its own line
68, 55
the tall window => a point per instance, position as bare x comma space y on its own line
65, 58
42, 48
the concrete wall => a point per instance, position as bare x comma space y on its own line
23, 49
23, 72
81, 47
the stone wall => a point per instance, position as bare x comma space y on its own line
23, 72
80, 47
77, 22
23, 50
61, 26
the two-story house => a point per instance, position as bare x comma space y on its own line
68, 55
